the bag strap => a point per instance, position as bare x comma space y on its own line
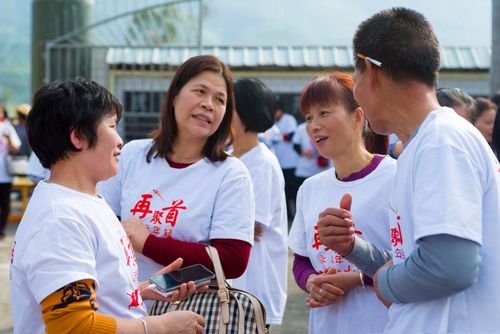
241, 317
223, 292
259, 316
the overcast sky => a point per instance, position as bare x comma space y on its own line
320, 22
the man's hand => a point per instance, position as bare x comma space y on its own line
375, 285
137, 232
335, 227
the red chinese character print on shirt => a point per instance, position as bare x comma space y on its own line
318, 243
173, 211
157, 215
338, 259
134, 299
142, 206
399, 253
358, 232
167, 233
156, 230
396, 236
157, 192
129, 252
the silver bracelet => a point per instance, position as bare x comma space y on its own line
145, 325
360, 278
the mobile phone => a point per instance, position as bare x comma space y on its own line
165, 284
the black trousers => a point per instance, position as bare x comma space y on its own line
291, 188
5, 189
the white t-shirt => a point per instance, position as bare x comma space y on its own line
360, 311
448, 182
266, 274
35, 168
267, 136
6, 127
206, 200
67, 236
287, 156
306, 167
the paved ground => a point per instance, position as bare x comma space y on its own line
295, 320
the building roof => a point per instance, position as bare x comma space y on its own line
284, 57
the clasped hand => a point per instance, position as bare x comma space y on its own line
330, 288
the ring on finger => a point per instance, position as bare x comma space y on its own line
321, 291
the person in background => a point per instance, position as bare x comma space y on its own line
483, 117
495, 137
341, 298
180, 190
9, 145
287, 157
72, 266
36, 172
266, 274
22, 111
458, 100
443, 207
267, 136
310, 162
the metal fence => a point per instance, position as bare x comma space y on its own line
119, 25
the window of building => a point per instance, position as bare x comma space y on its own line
141, 114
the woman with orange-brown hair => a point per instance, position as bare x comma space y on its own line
340, 296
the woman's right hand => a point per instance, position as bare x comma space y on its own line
136, 231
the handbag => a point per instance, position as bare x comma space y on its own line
225, 309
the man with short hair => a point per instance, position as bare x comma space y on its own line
442, 274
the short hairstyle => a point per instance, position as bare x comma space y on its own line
450, 97
404, 41
61, 107
255, 104
482, 104
279, 105
164, 137
337, 88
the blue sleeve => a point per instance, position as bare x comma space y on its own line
367, 257
441, 266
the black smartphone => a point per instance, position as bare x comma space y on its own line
167, 283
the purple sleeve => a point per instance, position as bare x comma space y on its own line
302, 268
367, 280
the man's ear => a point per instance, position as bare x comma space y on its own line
75, 140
